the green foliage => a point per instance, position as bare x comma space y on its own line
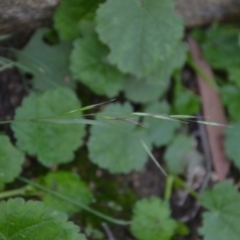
32, 220
185, 101
94, 233
11, 160
48, 64
144, 90
140, 34
151, 220
232, 143
67, 184
116, 146
231, 97
51, 143
175, 155
234, 75
221, 221
89, 65
132, 46
153, 86
221, 47
198, 34
70, 14
160, 131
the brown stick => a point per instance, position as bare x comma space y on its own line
212, 107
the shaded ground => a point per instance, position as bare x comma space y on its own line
12, 91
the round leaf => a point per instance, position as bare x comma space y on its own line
89, 65
52, 143
160, 131
176, 154
153, 86
116, 146
69, 15
151, 220
67, 184
144, 90
139, 33
11, 160
32, 220
48, 64
221, 222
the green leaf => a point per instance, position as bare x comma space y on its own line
221, 222
176, 153
94, 233
234, 75
89, 65
232, 139
51, 143
48, 64
67, 184
152, 220
11, 160
139, 33
185, 101
116, 146
160, 131
153, 86
199, 35
221, 48
144, 90
70, 14
231, 99
32, 220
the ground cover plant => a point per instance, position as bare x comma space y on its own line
72, 146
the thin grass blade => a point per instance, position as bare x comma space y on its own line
152, 157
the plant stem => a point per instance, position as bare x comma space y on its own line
6, 66
13, 193
181, 183
168, 188
58, 195
152, 157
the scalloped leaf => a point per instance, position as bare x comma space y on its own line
151, 220
51, 143
67, 184
70, 14
47, 63
89, 65
32, 220
144, 90
177, 152
152, 87
160, 131
232, 139
231, 99
139, 33
11, 160
221, 222
116, 145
